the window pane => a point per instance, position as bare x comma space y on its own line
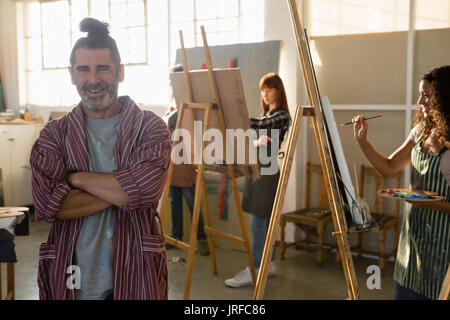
137, 45
205, 9
100, 10
121, 37
227, 37
432, 14
358, 16
182, 10
51, 88
56, 51
230, 24
157, 11
188, 37
211, 38
228, 8
55, 18
136, 14
188, 34
77, 35
252, 7
33, 19
251, 29
158, 48
209, 25
79, 11
34, 57
118, 16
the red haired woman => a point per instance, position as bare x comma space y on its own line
271, 127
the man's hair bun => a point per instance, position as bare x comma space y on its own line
97, 38
94, 27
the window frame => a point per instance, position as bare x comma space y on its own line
170, 24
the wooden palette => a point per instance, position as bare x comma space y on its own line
409, 195
6, 212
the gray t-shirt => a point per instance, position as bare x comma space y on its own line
444, 164
94, 247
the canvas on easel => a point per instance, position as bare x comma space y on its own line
205, 97
231, 95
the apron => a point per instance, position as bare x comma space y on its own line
259, 193
423, 253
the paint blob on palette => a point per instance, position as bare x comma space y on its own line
410, 195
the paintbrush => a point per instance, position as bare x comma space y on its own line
351, 122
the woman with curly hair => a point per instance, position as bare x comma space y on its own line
423, 253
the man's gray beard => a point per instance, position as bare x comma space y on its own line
106, 102
109, 98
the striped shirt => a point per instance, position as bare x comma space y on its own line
423, 253
277, 119
142, 154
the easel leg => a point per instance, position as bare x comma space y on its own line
282, 236
341, 235
193, 242
277, 206
207, 219
169, 174
197, 203
10, 285
237, 200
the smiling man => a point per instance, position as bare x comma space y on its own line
98, 174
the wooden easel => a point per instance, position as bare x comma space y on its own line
445, 290
200, 190
334, 195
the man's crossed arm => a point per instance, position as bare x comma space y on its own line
94, 192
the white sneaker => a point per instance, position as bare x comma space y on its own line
272, 269
244, 277
241, 279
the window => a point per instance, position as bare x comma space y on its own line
333, 17
146, 32
432, 16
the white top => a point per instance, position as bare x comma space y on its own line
444, 165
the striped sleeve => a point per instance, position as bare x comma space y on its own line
278, 120
144, 178
47, 181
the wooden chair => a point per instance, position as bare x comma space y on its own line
312, 220
386, 222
